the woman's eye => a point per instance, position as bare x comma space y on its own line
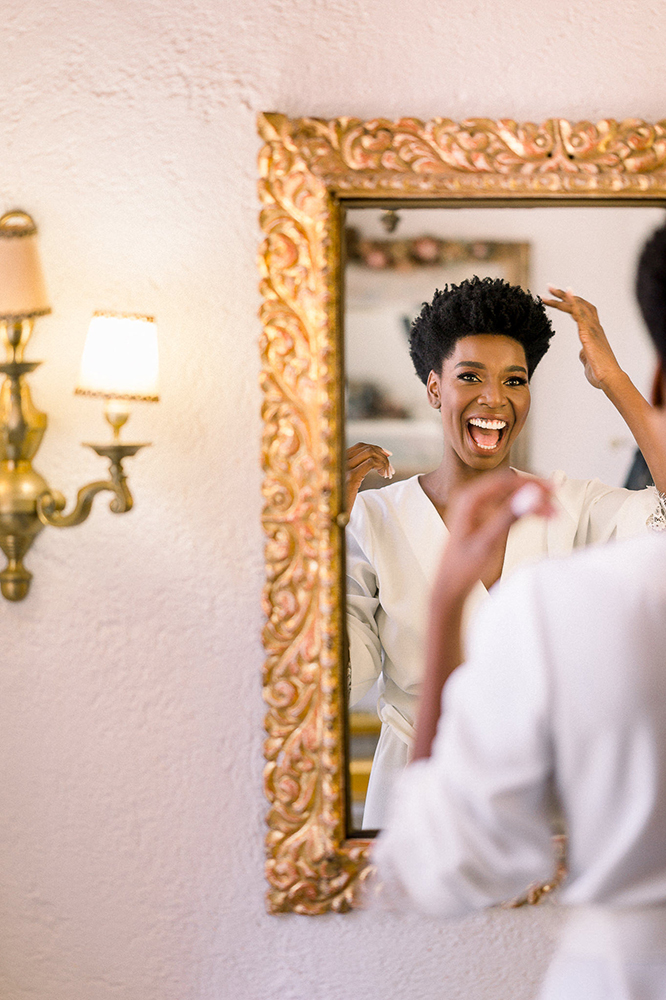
516, 380
468, 377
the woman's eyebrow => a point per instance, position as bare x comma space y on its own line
482, 367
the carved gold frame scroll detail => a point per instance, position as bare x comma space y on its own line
309, 168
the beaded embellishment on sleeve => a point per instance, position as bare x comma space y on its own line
657, 520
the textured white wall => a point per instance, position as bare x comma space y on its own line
131, 837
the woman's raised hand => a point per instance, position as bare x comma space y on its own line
603, 372
362, 459
596, 353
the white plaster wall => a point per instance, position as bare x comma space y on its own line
131, 837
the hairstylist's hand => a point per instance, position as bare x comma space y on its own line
478, 520
362, 459
596, 354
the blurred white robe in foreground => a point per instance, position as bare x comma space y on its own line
560, 707
395, 540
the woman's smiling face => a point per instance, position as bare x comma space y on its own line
484, 395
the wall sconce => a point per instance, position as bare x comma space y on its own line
119, 364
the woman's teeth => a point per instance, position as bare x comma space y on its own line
486, 434
492, 425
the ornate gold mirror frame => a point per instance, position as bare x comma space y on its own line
309, 169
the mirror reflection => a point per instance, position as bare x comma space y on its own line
395, 261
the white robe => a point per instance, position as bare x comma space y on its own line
395, 539
561, 703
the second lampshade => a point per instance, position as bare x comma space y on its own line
120, 363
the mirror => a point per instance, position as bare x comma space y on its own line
573, 427
313, 172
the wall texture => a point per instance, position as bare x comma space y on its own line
131, 837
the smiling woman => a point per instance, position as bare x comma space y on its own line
475, 346
483, 393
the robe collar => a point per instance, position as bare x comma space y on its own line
427, 534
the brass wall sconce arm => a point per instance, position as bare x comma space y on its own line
51, 503
119, 364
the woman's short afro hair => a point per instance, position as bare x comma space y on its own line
651, 288
478, 305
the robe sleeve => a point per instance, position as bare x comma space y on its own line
365, 649
613, 513
471, 826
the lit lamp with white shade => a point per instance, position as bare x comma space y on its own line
119, 364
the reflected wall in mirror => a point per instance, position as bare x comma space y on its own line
573, 427
312, 171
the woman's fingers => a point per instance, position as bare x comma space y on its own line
505, 494
597, 355
564, 294
479, 520
531, 498
491, 506
358, 473
535, 497
363, 458
367, 457
486, 490
562, 306
362, 449
565, 301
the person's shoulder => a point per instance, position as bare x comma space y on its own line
567, 490
606, 597
629, 565
580, 490
558, 594
574, 492
610, 507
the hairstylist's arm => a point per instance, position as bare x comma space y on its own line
478, 520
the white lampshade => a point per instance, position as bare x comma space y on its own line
120, 358
22, 289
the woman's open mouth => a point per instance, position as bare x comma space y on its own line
486, 434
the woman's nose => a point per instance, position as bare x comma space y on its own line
492, 394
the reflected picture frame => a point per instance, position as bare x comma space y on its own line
311, 169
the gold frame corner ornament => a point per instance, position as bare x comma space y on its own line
308, 168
